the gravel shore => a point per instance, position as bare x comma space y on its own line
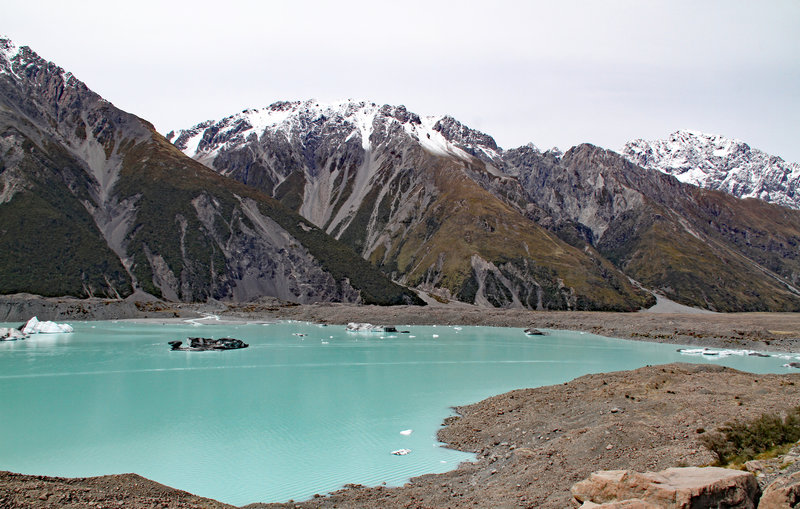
778, 332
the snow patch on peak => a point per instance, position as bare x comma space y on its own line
717, 162
431, 140
8, 52
555, 151
260, 119
7, 47
205, 140
360, 114
440, 135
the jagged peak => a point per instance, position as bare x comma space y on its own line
460, 134
9, 52
714, 161
555, 152
15, 60
437, 134
8, 49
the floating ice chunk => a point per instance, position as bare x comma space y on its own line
401, 452
368, 327
406, 432
34, 326
709, 352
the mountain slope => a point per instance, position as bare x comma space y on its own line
719, 163
97, 201
404, 191
701, 248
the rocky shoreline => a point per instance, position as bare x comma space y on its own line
777, 332
531, 444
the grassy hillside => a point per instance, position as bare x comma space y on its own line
50, 244
168, 203
467, 220
662, 255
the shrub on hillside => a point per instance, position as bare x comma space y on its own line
737, 442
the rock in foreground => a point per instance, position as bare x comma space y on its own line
673, 488
784, 493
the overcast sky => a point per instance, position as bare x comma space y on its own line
551, 73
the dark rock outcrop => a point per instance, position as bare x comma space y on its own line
205, 344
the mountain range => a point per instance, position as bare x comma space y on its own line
717, 162
360, 202
95, 202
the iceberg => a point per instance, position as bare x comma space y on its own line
34, 326
368, 327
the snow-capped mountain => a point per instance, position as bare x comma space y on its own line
93, 201
716, 162
415, 195
440, 135
320, 202
441, 207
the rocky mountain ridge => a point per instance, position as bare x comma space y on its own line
716, 162
363, 173
408, 194
95, 202
310, 202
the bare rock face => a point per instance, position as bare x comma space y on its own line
671, 488
784, 493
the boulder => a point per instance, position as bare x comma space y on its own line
672, 488
634, 503
783, 493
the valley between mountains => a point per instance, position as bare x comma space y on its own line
363, 203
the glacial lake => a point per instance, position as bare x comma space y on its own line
288, 417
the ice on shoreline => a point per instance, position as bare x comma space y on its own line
725, 352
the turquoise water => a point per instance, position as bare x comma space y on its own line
289, 416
